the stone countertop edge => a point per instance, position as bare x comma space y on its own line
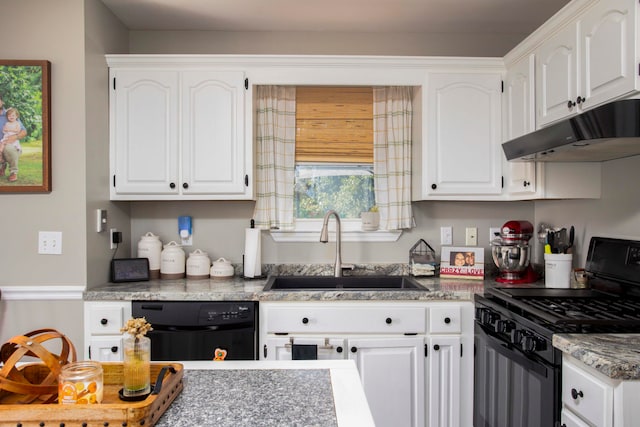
239, 289
350, 403
615, 355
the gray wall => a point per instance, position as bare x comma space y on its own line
79, 138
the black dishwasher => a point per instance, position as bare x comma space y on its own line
193, 330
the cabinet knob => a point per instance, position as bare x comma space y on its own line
305, 320
434, 186
570, 104
580, 100
447, 320
114, 349
436, 347
575, 394
172, 185
388, 320
185, 185
354, 349
103, 321
339, 349
526, 183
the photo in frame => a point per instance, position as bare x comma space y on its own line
25, 126
462, 262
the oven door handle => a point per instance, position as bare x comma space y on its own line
513, 354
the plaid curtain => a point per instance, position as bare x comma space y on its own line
275, 157
392, 156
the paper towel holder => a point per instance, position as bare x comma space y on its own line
262, 276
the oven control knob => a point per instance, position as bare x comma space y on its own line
530, 343
489, 317
504, 326
516, 336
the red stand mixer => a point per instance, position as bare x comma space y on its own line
511, 253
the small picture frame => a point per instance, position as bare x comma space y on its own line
462, 262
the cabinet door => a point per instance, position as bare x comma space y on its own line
144, 130
569, 419
556, 76
443, 379
463, 153
392, 374
519, 120
213, 132
106, 349
279, 348
608, 43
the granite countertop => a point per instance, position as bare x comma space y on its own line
240, 289
250, 393
614, 355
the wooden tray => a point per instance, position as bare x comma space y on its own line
112, 412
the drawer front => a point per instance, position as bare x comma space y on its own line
587, 396
104, 320
106, 349
569, 419
445, 319
345, 320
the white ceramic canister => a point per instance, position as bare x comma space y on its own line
172, 261
198, 265
150, 247
222, 269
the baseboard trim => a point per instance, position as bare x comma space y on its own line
25, 293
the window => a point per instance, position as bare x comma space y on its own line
334, 151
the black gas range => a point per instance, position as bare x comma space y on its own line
517, 369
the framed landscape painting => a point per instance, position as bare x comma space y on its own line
25, 126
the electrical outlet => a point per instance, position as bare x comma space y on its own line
493, 233
471, 237
112, 245
50, 242
446, 235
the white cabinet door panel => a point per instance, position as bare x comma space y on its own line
608, 61
463, 134
397, 397
146, 132
443, 378
213, 133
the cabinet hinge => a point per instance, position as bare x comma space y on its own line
502, 181
246, 180
114, 83
246, 83
89, 352
264, 351
639, 64
426, 350
114, 181
460, 349
502, 86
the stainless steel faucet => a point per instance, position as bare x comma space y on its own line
324, 238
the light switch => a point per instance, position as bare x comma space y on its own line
101, 220
471, 236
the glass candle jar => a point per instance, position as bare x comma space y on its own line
136, 366
80, 382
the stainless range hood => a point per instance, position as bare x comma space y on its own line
608, 132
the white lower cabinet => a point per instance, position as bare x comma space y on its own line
592, 399
409, 354
102, 323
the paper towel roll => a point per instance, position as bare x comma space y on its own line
252, 256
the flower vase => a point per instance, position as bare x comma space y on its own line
136, 366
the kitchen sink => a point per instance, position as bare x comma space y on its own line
346, 283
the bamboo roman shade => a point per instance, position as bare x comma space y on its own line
334, 124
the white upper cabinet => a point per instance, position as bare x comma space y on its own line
178, 134
518, 120
589, 61
461, 152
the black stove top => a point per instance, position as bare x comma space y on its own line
612, 304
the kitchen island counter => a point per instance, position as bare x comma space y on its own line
238, 393
615, 355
